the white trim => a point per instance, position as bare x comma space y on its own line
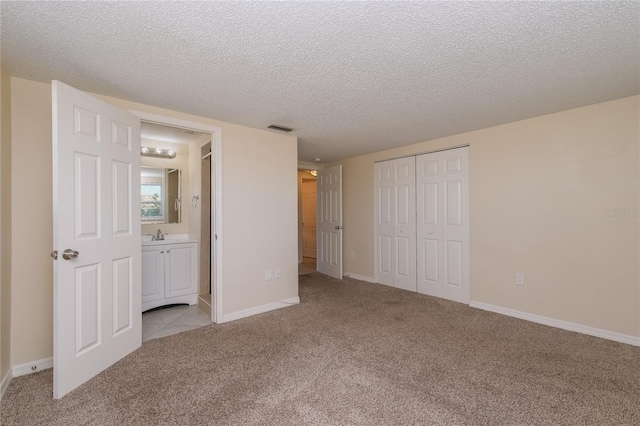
261, 309
216, 232
4, 384
27, 367
216, 189
305, 165
565, 325
422, 153
359, 277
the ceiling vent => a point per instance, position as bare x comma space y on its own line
279, 128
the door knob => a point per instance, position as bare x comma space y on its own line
69, 254
338, 227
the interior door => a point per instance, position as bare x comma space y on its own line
329, 219
309, 231
384, 212
443, 224
395, 223
404, 223
96, 198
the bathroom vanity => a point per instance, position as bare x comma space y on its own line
169, 272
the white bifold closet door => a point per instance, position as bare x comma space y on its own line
422, 224
395, 223
443, 224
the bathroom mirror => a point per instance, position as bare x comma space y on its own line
161, 195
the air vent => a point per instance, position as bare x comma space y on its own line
280, 128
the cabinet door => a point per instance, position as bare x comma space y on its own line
152, 273
180, 270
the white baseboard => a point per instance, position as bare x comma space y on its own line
359, 277
28, 367
22, 369
565, 325
260, 309
4, 384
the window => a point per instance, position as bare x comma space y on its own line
151, 202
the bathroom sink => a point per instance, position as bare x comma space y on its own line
168, 239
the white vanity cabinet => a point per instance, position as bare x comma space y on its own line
169, 274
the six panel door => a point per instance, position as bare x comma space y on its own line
394, 216
96, 315
443, 224
421, 221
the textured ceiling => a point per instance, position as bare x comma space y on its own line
350, 77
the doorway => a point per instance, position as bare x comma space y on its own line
307, 208
203, 189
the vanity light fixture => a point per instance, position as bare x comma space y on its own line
157, 152
314, 173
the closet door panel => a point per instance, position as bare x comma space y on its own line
443, 224
384, 213
404, 227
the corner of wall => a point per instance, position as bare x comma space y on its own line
5, 229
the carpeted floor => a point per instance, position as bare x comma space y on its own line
353, 353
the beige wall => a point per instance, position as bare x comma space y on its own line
31, 206
5, 223
259, 214
181, 162
539, 192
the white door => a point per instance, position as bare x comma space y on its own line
309, 226
329, 220
384, 207
96, 199
395, 223
404, 223
443, 224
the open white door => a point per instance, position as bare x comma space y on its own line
329, 221
96, 231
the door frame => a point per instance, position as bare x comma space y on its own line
216, 197
315, 181
304, 166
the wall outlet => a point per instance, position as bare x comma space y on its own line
276, 274
519, 278
353, 253
267, 274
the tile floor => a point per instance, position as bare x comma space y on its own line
168, 321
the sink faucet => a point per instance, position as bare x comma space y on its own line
158, 237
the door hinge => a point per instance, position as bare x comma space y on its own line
54, 254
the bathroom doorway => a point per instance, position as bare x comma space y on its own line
202, 206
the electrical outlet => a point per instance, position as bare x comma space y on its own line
519, 278
277, 274
267, 274
353, 253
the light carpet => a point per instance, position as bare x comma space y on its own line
353, 353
